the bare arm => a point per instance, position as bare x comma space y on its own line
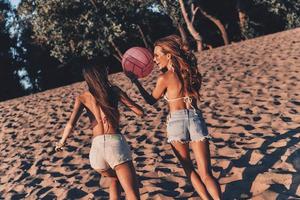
160, 87
77, 110
157, 92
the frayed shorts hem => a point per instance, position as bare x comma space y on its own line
200, 139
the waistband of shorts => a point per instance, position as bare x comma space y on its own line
104, 137
184, 112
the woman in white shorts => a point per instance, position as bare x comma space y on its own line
110, 154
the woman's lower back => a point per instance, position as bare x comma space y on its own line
102, 130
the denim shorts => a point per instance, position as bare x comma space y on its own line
108, 151
186, 125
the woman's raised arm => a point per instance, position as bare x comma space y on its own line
157, 92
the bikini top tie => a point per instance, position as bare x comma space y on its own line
186, 99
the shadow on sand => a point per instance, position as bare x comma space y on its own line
241, 189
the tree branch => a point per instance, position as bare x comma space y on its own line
190, 26
218, 23
117, 57
194, 12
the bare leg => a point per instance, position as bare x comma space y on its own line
127, 177
114, 185
202, 155
182, 152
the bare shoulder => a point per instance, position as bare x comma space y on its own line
163, 77
83, 97
171, 74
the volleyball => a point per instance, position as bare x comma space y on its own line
138, 60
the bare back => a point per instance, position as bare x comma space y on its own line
170, 84
100, 124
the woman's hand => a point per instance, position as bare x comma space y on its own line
59, 146
131, 76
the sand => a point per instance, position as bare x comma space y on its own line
250, 100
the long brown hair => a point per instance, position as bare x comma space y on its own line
99, 86
184, 63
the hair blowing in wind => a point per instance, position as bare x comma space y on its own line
183, 62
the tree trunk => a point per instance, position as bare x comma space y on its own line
219, 24
183, 35
116, 48
191, 27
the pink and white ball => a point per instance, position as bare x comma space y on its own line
138, 60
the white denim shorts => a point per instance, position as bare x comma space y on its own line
186, 125
108, 151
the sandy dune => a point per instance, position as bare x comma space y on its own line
251, 102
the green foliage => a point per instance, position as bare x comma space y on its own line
71, 30
172, 9
289, 10
249, 29
78, 28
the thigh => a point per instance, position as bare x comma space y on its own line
182, 152
127, 176
202, 156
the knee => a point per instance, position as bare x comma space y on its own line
112, 181
205, 176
